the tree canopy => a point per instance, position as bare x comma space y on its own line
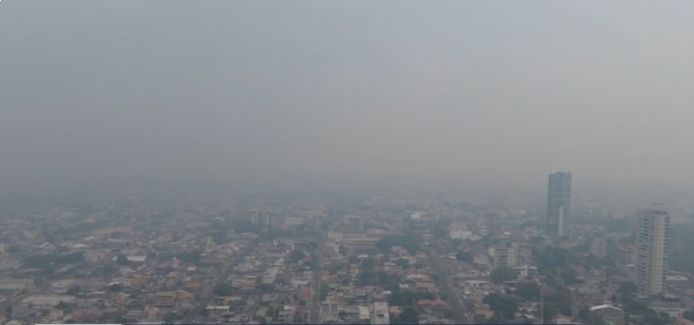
222, 289
297, 255
502, 273
408, 242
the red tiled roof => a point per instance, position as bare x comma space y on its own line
193, 285
431, 303
185, 294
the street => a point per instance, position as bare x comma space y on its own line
455, 302
315, 299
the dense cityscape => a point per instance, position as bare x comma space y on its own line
371, 261
346, 162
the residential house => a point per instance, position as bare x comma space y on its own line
184, 299
610, 314
432, 307
165, 299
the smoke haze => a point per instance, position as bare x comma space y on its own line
497, 92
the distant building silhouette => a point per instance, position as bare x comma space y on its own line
261, 217
559, 203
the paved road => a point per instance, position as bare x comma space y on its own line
207, 294
315, 300
455, 302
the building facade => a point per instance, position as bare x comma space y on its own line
261, 217
512, 254
652, 249
558, 203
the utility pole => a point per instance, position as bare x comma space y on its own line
542, 303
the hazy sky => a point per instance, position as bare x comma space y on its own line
497, 90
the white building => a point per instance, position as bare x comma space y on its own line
652, 249
293, 221
46, 300
512, 255
381, 315
459, 231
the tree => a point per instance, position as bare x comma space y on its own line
408, 242
169, 318
267, 287
568, 275
464, 256
494, 300
509, 311
297, 255
636, 307
689, 315
408, 316
222, 289
116, 287
627, 288
193, 256
74, 290
502, 273
122, 260
61, 306
368, 263
403, 263
528, 291
550, 310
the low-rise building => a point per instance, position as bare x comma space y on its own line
610, 314
47, 300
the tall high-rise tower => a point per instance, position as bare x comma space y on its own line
652, 250
558, 203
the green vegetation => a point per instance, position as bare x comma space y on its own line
122, 260
297, 255
552, 258
324, 290
53, 260
193, 256
502, 273
267, 287
222, 289
407, 316
116, 287
403, 263
74, 290
464, 256
408, 298
408, 242
169, 318
501, 304
528, 291
368, 263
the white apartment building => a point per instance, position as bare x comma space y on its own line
652, 249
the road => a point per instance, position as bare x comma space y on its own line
455, 302
14, 301
317, 268
207, 294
